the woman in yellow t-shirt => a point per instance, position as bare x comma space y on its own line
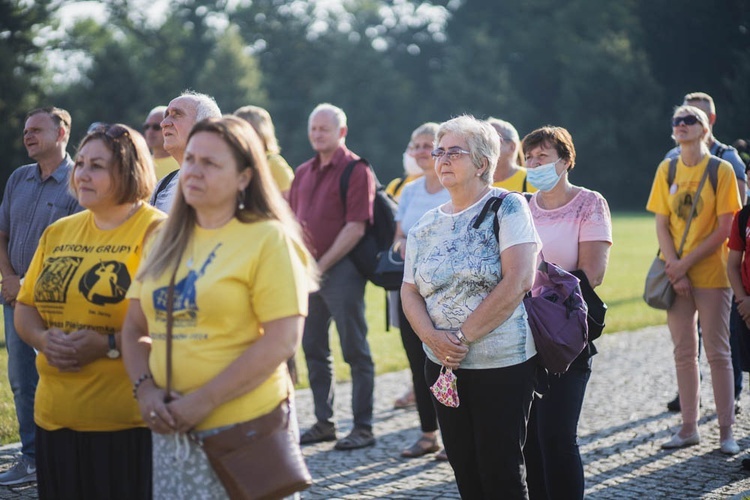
699, 275
91, 440
242, 277
261, 121
509, 174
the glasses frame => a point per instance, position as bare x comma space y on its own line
453, 154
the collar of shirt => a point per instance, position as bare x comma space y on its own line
60, 174
335, 159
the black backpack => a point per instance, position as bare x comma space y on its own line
379, 235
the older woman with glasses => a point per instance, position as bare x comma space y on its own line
462, 294
91, 440
699, 275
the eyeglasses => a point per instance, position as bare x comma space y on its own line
687, 120
151, 126
453, 154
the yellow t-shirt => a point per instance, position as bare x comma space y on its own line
163, 166
281, 172
676, 200
515, 182
230, 281
392, 186
77, 280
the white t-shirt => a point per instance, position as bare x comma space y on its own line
455, 266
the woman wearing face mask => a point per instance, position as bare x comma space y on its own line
575, 227
699, 275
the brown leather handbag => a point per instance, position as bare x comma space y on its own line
254, 460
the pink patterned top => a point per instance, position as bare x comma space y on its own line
584, 218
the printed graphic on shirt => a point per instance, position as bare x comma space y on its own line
52, 285
184, 305
682, 203
105, 283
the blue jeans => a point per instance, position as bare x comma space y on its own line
553, 460
341, 298
23, 377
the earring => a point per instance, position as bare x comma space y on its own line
241, 200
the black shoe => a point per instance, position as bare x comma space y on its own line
746, 463
674, 405
318, 433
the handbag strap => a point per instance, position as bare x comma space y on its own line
692, 208
170, 322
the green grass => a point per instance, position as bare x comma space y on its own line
634, 249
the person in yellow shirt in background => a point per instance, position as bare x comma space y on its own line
242, 276
412, 170
90, 439
261, 121
509, 174
164, 163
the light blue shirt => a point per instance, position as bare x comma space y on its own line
455, 267
730, 155
415, 201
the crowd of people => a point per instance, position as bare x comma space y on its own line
157, 286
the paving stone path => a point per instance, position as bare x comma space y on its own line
623, 422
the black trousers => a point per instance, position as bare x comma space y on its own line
416, 356
485, 435
93, 465
553, 460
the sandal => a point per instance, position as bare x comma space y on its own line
319, 433
423, 446
405, 401
358, 438
442, 456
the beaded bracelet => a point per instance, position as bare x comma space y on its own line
138, 383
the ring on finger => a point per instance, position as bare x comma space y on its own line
152, 415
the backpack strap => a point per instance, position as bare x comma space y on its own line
525, 186
400, 184
742, 219
164, 183
713, 171
346, 175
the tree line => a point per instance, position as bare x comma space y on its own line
610, 72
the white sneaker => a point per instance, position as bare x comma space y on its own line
20, 472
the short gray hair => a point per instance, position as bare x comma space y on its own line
205, 105
429, 128
482, 140
338, 114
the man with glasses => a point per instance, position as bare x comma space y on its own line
164, 163
36, 195
332, 228
705, 102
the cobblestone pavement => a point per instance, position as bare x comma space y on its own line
623, 422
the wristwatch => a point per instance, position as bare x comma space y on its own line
113, 352
461, 337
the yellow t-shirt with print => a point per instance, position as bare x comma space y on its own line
77, 280
230, 281
516, 182
676, 201
163, 166
281, 172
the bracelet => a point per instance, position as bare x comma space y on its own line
461, 337
138, 383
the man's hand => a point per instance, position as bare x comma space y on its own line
11, 285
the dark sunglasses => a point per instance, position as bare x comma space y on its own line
687, 120
152, 126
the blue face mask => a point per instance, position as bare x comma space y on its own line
544, 177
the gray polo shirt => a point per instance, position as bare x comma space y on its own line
30, 205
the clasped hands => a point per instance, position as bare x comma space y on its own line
180, 414
69, 352
677, 273
448, 349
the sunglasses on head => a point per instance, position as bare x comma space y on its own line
687, 120
152, 126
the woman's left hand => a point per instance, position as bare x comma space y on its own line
676, 270
88, 345
188, 410
682, 287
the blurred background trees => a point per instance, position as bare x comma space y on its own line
610, 72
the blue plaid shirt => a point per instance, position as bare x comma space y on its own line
29, 205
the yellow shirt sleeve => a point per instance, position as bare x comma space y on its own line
281, 172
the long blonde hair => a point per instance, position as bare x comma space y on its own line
262, 200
